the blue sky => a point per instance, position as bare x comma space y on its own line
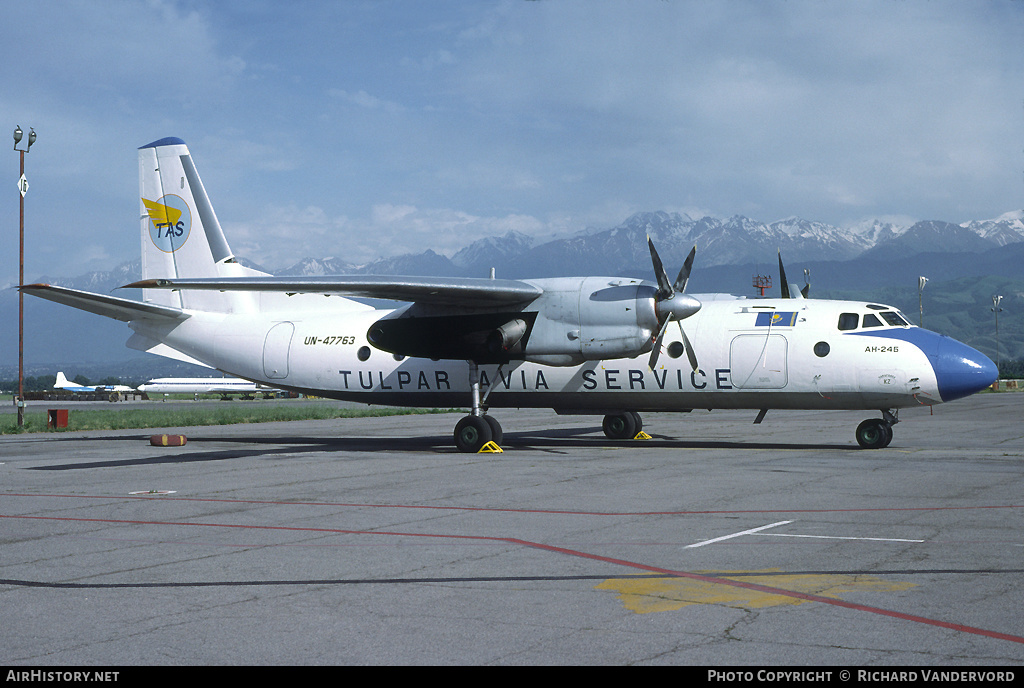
361, 129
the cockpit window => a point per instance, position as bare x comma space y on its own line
893, 318
848, 321
871, 320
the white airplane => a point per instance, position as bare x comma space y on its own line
62, 382
573, 344
204, 385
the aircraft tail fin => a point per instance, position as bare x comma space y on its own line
181, 236
61, 381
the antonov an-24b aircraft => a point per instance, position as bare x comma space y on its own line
587, 345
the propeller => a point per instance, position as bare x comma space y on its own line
672, 303
784, 284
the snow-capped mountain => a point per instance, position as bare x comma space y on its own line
1006, 229
481, 255
866, 256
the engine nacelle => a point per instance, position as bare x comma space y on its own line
575, 319
591, 318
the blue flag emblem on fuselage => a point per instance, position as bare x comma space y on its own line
775, 319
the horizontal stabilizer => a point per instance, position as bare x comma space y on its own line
455, 291
110, 306
151, 346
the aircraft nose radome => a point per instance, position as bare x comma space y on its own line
960, 370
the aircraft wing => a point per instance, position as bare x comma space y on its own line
452, 291
109, 306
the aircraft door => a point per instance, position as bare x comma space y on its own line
275, 350
759, 362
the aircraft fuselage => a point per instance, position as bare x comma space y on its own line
753, 353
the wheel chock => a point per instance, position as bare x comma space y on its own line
168, 440
642, 436
490, 448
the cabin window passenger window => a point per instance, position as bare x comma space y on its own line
848, 321
871, 320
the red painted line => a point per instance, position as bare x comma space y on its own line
575, 553
306, 529
166, 498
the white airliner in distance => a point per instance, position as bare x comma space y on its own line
586, 345
224, 386
62, 382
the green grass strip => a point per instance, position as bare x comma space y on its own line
206, 414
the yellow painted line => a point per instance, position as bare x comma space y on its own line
648, 595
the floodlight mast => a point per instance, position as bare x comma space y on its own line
22, 189
996, 299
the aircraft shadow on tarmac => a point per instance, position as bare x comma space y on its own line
552, 441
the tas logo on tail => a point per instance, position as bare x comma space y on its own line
170, 222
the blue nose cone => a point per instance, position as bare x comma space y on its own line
960, 370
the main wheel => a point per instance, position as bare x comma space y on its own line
620, 426
472, 433
496, 434
874, 433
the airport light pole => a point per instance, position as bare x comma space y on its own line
921, 281
22, 189
997, 309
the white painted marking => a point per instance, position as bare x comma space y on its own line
840, 537
735, 535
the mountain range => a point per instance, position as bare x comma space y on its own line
852, 262
737, 240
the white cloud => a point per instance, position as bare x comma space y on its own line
371, 129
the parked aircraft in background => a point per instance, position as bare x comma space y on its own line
588, 345
63, 383
224, 386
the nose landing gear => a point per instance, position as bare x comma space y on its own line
876, 433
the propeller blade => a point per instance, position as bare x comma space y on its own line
684, 272
664, 286
656, 351
689, 348
783, 284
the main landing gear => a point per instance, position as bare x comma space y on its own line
477, 429
473, 432
876, 433
622, 426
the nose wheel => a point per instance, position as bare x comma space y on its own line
876, 433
